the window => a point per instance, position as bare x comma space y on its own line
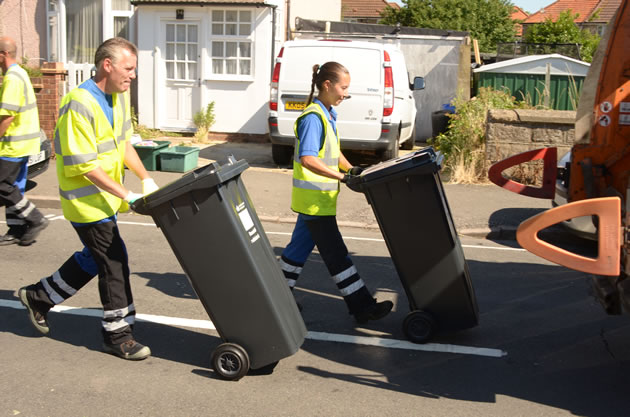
84, 29
181, 51
77, 27
121, 13
231, 42
53, 30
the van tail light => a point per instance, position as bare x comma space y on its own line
388, 90
273, 95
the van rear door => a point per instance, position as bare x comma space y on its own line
360, 116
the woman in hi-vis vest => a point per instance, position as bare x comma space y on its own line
318, 167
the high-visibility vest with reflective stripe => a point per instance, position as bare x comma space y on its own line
17, 99
85, 140
312, 193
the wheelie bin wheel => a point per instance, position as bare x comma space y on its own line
419, 326
230, 361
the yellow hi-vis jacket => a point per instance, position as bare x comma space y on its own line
312, 193
17, 99
85, 140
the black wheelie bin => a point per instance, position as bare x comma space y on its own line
212, 227
408, 200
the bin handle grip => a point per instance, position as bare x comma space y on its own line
548, 188
609, 236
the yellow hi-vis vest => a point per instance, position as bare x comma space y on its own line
85, 140
17, 99
312, 193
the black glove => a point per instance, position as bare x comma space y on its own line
353, 180
345, 178
355, 170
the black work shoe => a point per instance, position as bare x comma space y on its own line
374, 312
130, 350
9, 239
32, 231
38, 319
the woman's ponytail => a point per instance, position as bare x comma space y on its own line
314, 79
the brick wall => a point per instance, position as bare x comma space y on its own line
510, 132
49, 93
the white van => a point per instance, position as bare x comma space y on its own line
381, 112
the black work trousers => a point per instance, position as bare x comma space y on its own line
20, 212
107, 255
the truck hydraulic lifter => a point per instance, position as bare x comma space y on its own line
597, 175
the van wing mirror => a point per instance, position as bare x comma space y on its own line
418, 83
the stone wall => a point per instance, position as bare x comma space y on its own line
510, 132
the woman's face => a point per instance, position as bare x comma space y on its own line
334, 93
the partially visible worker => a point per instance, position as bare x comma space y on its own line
19, 138
92, 146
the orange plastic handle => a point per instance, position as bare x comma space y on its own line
608, 209
548, 188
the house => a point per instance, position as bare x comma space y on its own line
364, 11
518, 15
190, 52
193, 53
593, 15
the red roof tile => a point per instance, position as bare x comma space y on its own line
604, 11
582, 7
518, 14
363, 8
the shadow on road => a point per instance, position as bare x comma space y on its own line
174, 285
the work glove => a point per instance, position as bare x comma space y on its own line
131, 197
353, 180
355, 170
149, 186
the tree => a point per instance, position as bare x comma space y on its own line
488, 21
564, 30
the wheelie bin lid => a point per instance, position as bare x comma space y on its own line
421, 162
211, 175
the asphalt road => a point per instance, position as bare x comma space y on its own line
544, 347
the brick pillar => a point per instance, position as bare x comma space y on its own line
49, 92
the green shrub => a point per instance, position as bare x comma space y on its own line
463, 143
204, 121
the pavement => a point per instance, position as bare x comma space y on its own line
482, 210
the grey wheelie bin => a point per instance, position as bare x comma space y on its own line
408, 200
212, 227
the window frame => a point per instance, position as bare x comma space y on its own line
211, 39
197, 61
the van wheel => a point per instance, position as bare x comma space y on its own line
408, 144
281, 154
391, 153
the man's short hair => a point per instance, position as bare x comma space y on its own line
111, 49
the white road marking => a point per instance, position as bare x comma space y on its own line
321, 336
368, 239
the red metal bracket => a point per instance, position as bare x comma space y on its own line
608, 209
548, 188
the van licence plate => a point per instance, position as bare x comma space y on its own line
294, 105
33, 159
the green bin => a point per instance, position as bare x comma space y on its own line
148, 152
179, 158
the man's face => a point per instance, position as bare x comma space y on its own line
120, 73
